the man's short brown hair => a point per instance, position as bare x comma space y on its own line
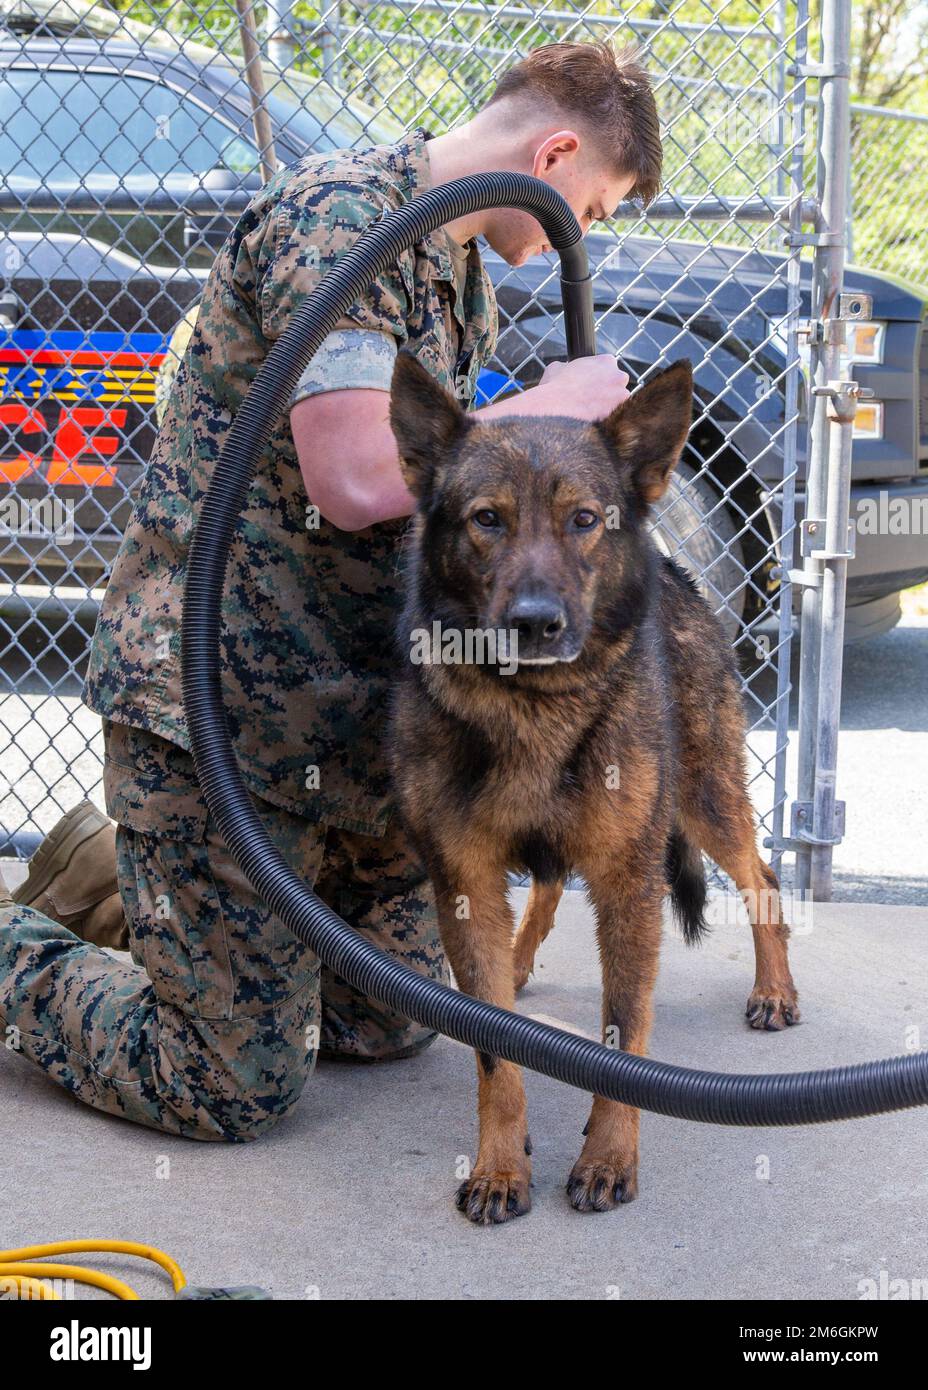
607, 93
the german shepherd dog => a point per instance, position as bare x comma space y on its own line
606, 739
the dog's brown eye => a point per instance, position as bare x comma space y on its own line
486, 518
584, 520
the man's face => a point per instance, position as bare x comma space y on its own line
592, 193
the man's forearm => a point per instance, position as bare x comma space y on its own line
369, 487
382, 494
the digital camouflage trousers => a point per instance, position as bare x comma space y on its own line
213, 1029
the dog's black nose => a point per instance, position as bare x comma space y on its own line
538, 619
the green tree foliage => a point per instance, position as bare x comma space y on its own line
720, 69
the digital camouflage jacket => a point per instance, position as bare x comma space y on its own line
309, 611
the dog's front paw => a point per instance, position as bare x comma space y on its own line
772, 1009
489, 1198
596, 1186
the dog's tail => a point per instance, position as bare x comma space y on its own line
686, 878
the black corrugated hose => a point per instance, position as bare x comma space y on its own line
786, 1099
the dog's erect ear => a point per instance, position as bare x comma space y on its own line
426, 420
648, 431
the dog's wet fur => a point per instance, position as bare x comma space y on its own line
613, 747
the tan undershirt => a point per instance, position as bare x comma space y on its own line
459, 255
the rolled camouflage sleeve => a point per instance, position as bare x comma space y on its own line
306, 236
349, 358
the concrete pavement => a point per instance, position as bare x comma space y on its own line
350, 1197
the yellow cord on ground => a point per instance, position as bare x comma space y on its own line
19, 1267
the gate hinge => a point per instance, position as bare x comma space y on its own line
800, 824
841, 399
813, 239
819, 69
855, 308
811, 535
852, 308
800, 834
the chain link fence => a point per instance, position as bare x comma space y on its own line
888, 230
128, 141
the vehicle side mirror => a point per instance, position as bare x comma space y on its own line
11, 310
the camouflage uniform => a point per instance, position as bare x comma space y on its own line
214, 1028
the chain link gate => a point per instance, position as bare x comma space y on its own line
887, 233
128, 140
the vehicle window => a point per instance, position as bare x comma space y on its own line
320, 117
55, 125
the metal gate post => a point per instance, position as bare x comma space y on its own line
280, 38
793, 240
817, 817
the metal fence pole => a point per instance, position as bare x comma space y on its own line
330, 41
281, 43
825, 530
794, 291
264, 137
849, 211
779, 144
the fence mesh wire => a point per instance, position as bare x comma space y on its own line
889, 150
119, 124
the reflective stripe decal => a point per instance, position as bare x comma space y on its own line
69, 366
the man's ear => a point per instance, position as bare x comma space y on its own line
648, 431
426, 421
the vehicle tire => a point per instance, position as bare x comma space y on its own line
693, 526
871, 618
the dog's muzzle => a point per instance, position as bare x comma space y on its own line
538, 623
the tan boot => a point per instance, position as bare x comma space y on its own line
72, 878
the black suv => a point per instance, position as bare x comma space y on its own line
128, 162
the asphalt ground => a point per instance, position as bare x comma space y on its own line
351, 1195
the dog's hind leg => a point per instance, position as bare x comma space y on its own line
537, 921
729, 838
